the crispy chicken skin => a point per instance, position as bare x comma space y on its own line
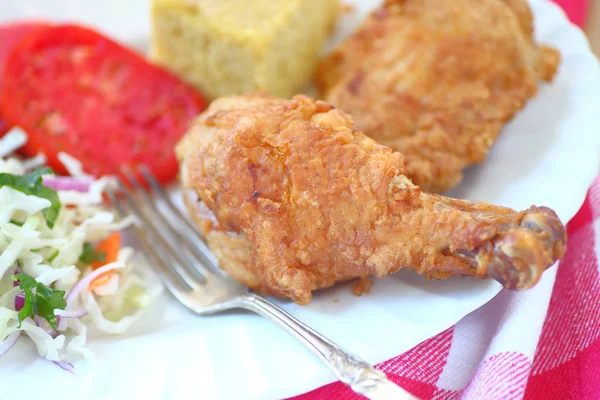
437, 80
292, 199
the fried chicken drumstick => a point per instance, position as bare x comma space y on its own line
292, 199
437, 80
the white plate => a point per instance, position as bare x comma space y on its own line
547, 156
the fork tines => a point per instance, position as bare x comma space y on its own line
166, 235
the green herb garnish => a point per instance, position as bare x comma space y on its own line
90, 255
31, 184
53, 256
39, 299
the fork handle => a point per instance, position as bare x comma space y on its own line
353, 371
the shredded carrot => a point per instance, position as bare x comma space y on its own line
110, 247
101, 280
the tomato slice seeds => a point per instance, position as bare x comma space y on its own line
10, 36
74, 90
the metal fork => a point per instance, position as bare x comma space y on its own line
190, 273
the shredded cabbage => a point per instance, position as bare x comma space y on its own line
52, 257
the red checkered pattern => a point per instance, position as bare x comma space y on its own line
577, 10
566, 360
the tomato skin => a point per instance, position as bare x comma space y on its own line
10, 36
3, 127
74, 90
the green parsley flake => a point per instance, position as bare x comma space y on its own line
40, 300
31, 185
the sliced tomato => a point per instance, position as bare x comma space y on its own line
74, 90
10, 35
3, 126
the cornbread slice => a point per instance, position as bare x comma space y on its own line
226, 47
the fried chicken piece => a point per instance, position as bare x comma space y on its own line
437, 80
292, 199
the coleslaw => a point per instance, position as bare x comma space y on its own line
62, 266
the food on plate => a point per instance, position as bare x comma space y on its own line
226, 47
437, 80
74, 90
3, 126
10, 35
291, 198
62, 266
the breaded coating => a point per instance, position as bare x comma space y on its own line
292, 199
437, 80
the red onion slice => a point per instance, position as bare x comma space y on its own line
84, 283
68, 183
42, 323
9, 342
71, 314
19, 302
66, 366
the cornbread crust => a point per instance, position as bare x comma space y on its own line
226, 47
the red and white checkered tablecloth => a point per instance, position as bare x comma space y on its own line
540, 344
495, 353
